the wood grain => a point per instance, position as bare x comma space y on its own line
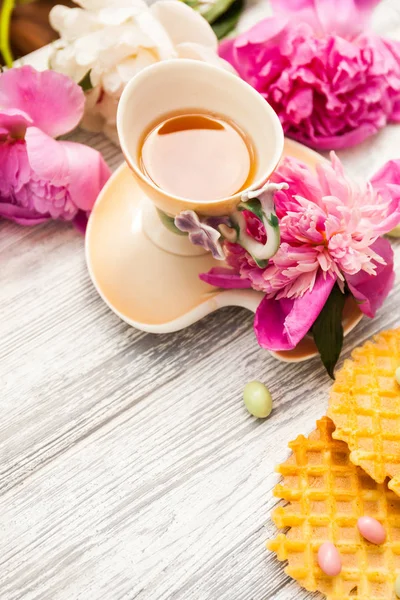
129, 466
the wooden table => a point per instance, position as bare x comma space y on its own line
130, 468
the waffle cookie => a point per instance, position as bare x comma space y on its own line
365, 408
326, 494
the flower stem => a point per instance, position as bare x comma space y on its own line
5, 18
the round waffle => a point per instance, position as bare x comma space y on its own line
365, 407
326, 494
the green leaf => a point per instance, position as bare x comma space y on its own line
216, 9
86, 83
328, 330
227, 22
253, 206
222, 15
192, 3
5, 18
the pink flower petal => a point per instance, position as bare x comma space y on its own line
53, 101
14, 168
47, 157
340, 17
302, 10
281, 324
81, 168
20, 215
387, 182
263, 31
389, 173
80, 221
371, 291
13, 122
226, 49
225, 278
330, 92
42, 178
344, 17
88, 172
338, 142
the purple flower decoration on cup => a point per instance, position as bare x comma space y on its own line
200, 234
330, 79
41, 178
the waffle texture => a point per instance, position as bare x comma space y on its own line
364, 405
326, 494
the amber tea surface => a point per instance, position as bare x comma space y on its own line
198, 156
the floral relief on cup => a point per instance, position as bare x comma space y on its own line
210, 232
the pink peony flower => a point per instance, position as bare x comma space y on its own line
40, 178
332, 82
330, 233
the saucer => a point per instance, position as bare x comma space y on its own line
155, 290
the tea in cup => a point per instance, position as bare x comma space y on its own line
198, 156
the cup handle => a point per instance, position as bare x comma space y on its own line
261, 203
207, 232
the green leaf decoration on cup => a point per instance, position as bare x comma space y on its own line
260, 203
169, 223
253, 206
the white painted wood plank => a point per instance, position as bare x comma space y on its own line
159, 502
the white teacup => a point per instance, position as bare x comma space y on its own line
185, 85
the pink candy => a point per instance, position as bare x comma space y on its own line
328, 555
329, 559
371, 530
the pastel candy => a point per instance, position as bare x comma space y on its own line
371, 530
329, 559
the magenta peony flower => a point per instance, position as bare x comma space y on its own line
40, 178
332, 82
330, 234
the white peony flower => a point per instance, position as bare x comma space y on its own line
112, 40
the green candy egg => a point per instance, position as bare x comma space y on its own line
397, 375
397, 586
257, 399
